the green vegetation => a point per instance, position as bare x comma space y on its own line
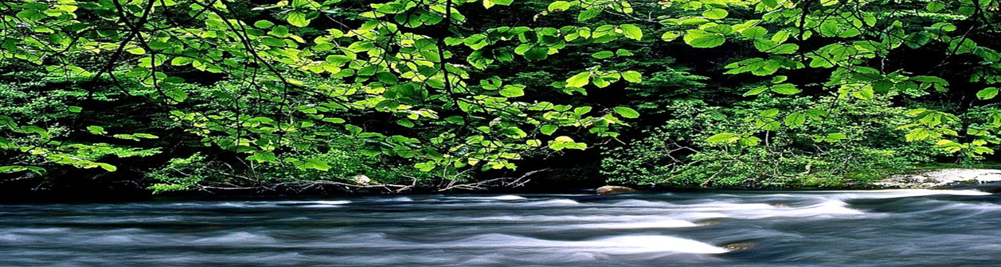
452, 94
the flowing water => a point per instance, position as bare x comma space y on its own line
833, 228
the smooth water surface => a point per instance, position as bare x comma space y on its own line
857, 228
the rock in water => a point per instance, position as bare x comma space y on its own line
361, 179
740, 246
708, 222
614, 189
943, 178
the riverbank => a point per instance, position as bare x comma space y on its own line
101, 188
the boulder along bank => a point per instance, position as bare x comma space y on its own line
981, 179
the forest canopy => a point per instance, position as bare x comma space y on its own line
176, 95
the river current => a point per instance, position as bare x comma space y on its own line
817, 228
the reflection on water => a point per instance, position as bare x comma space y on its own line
835, 228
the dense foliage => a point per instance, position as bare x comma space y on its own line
451, 94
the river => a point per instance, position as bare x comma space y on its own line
816, 228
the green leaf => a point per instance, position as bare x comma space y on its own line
564, 142
715, 13
864, 94
626, 112
559, 6
263, 24
177, 95
35, 129
750, 141
670, 36
512, 91
158, 45
271, 41
935, 6
784, 49
795, 119
603, 54
74, 109
771, 126
702, 39
145, 136
136, 51
785, 89
297, 19
333, 120
631, 31
816, 114
756, 91
589, 13
772, 112
387, 78
929, 79
754, 32
987, 93
502, 2
579, 80
107, 167
353, 129
263, 156
694, 21
723, 137
280, 31
315, 164
30, 15
882, 86
548, 129
181, 61
632, 76
126, 137
830, 28
455, 120
918, 39
426, 166
96, 129
537, 53
435, 83
835, 137
338, 60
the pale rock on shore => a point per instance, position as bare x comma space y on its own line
944, 178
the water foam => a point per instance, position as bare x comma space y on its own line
977, 208
112, 240
555, 202
315, 204
238, 238
11, 237
54, 230
899, 193
507, 197
826, 208
628, 244
724, 209
655, 243
653, 224
233, 205
334, 202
